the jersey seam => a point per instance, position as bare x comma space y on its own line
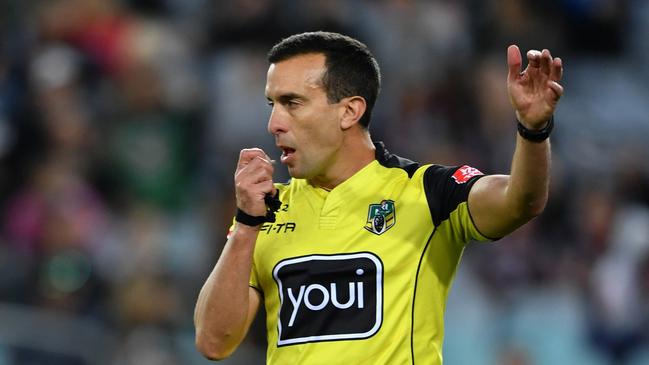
257, 289
414, 297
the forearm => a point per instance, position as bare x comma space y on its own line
499, 204
222, 308
528, 186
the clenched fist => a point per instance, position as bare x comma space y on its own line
253, 179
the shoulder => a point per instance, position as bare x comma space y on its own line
447, 187
389, 160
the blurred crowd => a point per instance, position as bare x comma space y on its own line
121, 123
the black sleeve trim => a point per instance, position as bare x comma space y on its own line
257, 289
443, 193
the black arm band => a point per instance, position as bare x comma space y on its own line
249, 220
536, 136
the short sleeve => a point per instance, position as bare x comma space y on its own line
254, 279
447, 191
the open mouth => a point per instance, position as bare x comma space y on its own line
287, 153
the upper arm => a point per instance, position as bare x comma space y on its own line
492, 214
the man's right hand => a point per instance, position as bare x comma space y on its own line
227, 305
253, 179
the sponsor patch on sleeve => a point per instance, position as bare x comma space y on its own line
465, 173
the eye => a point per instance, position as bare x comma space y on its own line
270, 103
292, 103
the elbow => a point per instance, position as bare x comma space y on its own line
212, 349
523, 210
536, 211
532, 209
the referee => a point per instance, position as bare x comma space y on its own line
354, 257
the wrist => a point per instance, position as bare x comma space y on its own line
244, 229
535, 135
243, 237
272, 206
246, 219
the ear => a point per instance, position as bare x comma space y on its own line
353, 108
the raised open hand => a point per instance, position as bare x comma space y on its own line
535, 92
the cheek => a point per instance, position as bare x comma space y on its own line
322, 142
326, 129
319, 133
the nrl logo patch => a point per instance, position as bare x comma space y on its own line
381, 217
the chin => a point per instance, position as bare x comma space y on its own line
295, 173
298, 173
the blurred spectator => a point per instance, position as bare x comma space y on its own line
121, 122
56, 210
619, 314
599, 27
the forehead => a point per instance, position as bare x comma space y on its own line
299, 74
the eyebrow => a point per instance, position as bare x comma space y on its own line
287, 96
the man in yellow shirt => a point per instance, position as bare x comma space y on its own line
355, 265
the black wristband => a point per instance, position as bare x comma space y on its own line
249, 220
536, 136
272, 205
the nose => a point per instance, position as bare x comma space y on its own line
277, 122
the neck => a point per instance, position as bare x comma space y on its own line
356, 152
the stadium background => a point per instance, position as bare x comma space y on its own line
121, 121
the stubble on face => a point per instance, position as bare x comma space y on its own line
304, 123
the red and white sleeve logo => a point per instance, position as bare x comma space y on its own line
465, 173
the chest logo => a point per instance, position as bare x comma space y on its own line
381, 217
329, 297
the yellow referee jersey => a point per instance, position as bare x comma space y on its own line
360, 274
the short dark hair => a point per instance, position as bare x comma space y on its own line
351, 70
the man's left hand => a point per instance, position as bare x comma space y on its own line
535, 92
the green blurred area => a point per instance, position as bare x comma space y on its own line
121, 123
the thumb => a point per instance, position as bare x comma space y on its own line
514, 61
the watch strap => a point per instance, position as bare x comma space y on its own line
536, 136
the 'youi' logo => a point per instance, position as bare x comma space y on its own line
329, 297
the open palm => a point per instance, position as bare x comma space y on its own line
534, 93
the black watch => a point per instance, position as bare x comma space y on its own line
536, 136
